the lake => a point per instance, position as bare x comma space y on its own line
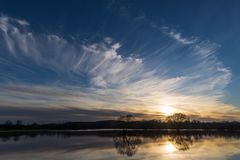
115, 145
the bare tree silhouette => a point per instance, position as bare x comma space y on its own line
125, 120
181, 142
127, 145
178, 118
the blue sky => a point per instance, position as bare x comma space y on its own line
92, 60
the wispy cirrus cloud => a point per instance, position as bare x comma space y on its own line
177, 36
96, 75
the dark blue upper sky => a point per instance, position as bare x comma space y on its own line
168, 38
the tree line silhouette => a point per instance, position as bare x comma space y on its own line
176, 121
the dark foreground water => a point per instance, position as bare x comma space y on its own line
112, 145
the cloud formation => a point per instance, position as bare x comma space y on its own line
178, 36
94, 76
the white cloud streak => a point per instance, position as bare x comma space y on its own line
114, 81
176, 35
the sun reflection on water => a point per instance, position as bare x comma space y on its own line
169, 147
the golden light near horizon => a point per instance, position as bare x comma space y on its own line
167, 110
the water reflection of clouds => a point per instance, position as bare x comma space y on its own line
108, 146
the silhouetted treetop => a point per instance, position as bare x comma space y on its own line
126, 118
178, 117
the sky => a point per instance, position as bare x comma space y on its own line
95, 60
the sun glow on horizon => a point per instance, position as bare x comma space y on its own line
167, 110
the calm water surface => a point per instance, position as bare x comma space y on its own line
116, 146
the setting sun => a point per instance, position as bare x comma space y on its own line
167, 110
119, 79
